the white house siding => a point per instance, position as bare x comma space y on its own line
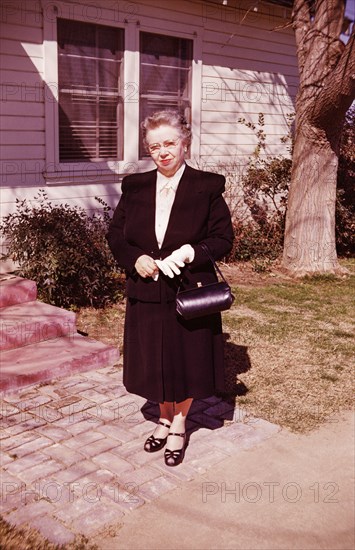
248, 69
242, 66
21, 102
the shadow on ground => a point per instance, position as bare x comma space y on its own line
211, 413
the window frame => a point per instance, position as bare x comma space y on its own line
64, 173
94, 97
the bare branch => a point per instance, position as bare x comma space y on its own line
242, 21
248, 11
281, 27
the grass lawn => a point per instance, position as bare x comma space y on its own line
289, 345
295, 346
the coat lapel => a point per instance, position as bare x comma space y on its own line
188, 188
148, 193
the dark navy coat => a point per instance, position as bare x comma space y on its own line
166, 358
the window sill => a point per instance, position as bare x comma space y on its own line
110, 172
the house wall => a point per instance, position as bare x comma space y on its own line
244, 63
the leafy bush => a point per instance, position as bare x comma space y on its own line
345, 225
345, 205
265, 184
64, 250
252, 241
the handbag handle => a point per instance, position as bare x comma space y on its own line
207, 250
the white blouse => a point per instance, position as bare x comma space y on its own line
164, 200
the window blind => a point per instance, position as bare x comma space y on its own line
90, 106
165, 75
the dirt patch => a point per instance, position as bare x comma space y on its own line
245, 274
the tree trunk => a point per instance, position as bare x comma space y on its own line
326, 91
310, 223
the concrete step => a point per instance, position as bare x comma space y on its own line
51, 359
15, 290
31, 322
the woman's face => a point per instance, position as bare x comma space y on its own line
166, 148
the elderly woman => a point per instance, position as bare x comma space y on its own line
158, 226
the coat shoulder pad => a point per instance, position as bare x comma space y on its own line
215, 182
138, 179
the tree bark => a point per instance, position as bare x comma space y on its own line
326, 90
309, 246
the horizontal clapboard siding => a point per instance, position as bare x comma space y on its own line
248, 66
22, 100
247, 70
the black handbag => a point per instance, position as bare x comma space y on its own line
205, 299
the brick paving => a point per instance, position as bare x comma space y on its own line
72, 458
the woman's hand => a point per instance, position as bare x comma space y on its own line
171, 264
146, 266
184, 254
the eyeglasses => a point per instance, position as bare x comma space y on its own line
169, 144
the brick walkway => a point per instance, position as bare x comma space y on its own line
72, 458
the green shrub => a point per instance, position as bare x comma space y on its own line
265, 184
345, 225
252, 240
345, 205
64, 250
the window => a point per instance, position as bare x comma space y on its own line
165, 75
90, 106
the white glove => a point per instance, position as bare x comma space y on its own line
184, 254
170, 265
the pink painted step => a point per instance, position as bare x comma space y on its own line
32, 322
15, 290
52, 359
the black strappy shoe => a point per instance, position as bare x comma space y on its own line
173, 458
154, 444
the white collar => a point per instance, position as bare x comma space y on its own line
172, 181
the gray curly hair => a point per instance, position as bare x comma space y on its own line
168, 118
